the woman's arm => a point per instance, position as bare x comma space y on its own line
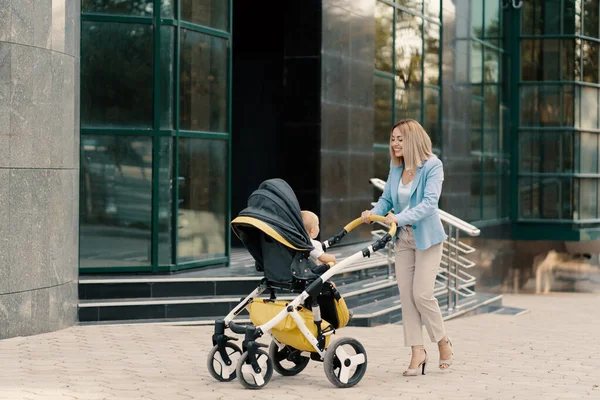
384, 204
431, 197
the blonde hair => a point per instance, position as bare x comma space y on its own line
309, 219
416, 144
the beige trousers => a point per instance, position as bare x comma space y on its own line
416, 271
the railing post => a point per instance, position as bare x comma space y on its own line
448, 282
456, 284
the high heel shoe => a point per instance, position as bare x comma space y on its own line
447, 362
415, 371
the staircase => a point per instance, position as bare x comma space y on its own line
199, 297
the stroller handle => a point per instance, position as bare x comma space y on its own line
335, 239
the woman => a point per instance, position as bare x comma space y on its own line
413, 189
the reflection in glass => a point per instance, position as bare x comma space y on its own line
211, 13
166, 8
540, 59
476, 64
548, 152
588, 199
203, 82
588, 107
591, 23
546, 197
490, 200
408, 50
165, 205
547, 105
167, 55
431, 117
571, 59
590, 55
432, 8
588, 152
491, 66
492, 19
542, 17
408, 104
115, 201
477, 18
116, 74
203, 199
383, 109
384, 37
432, 54
137, 7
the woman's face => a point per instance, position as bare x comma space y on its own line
396, 143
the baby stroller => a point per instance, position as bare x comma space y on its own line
272, 231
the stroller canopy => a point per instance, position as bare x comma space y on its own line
272, 230
275, 204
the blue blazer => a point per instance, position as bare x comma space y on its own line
424, 197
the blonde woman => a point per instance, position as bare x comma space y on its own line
413, 189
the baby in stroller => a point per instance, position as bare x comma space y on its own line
272, 230
311, 224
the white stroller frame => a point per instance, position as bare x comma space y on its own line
248, 363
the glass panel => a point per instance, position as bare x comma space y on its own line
432, 8
571, 60
476, 66
572, 17
528, 198
540, 59
548, 152
475, 211
382, 166
384, 37
591, 23
203, 82
541, 106
477, 19
461, 61
491, 66
138, 7
540, 17
212, 13
203, 199
166, 8
589, 52
491, 120
383, 109
492, 18
115, 201
588, 199
432, 54
167, 87
588, 104
165, 205
431, 117
408, 104
553, 197
490, 197
476, 125
414, 5
116, 74
588, 153
408, 50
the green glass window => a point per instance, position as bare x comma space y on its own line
591, 23
588, 152
383, 108
122, 7
409, 50
202, 194
492, 19
587, 107
540, 59
116, 200
167, 84
203, 82
547, 105
211, 13
384, 37
432, 53
589, 55
116, 75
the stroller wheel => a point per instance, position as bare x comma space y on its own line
345, 362
222, 370
287, 361
248, 376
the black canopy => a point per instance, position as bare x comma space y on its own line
275, 203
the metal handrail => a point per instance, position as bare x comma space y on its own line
450, 219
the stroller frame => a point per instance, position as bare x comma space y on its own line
332, 354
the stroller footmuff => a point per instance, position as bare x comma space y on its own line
272, 231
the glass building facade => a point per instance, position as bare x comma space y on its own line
155, 134
508, 94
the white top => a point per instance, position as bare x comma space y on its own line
317, 252
404, 194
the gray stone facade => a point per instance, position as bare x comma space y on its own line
39, 165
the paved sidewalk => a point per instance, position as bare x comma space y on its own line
552, 352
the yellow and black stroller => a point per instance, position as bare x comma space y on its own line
272, 231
